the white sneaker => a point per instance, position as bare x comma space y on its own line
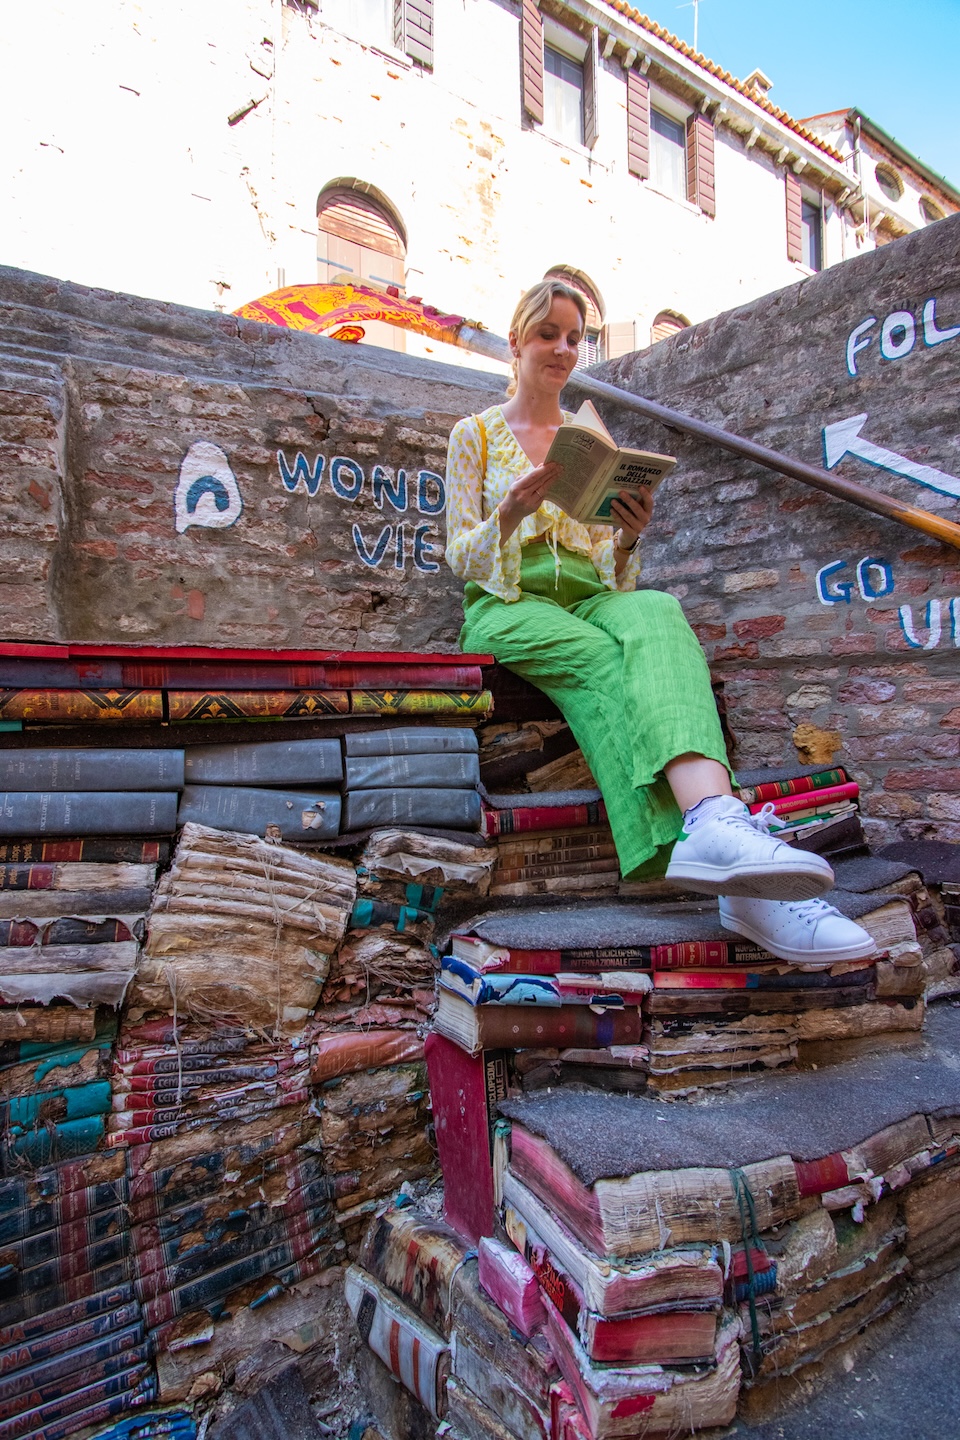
731, 852
803, 932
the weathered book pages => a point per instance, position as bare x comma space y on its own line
680, 1276
484, 1403
527, 1366
653, 1209
460, 869
511, 1284
418, 1259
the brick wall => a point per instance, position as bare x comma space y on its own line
834, 632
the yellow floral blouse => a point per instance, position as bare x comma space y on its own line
473, 549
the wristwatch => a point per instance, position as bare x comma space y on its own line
626, 549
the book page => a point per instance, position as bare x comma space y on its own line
582, 456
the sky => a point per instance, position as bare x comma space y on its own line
897, 61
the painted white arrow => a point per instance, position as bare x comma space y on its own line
844, 438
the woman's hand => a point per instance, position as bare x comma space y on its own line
634, 512
525, 496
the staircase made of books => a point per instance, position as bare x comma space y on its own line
677, 1171
687, 1168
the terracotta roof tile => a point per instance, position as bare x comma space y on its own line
758, 99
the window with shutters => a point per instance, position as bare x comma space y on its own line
370, 21
667, 323
811, 234
591, 346
360, 237
562, 96
930, 211
668, 154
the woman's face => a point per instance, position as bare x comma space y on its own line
550, 348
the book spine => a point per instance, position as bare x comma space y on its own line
296, 814
38, 1418
75, 1337
62, 1191
98, 1360
31, 1304
606, 866
705, 954
18, 933
789, 804
451, 809
102, 851
542, 817
61, 1316
463, 703
65, 812
453, 770
207, 1289
332, 675
81, 707
97, 1412
67, 1267
567, 1027
29, 673
91, 770
529, 852
60, 1237
759, 980
776, 789
194, 706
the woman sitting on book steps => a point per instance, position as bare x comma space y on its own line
555, 601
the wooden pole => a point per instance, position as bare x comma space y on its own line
947, 531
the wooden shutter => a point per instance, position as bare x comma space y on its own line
352, 217
664, 326
531, 62
794, 218
638, 124
413, 30
701, 185
591, 85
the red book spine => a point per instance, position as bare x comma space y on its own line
832, 795
542, 817
775, 789
464, 1091
815, 1177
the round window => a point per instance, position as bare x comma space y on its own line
889, 182
929, 210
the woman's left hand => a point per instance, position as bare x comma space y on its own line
634, 512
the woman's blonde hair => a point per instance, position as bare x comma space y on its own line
533, 307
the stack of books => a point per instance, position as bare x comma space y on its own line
111, 684
412, 776
73, 1344
552, 843
286, 789
815, 809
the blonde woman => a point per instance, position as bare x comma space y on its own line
556, 601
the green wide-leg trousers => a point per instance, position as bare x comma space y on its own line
628, 675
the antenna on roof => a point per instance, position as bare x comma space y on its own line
693, 5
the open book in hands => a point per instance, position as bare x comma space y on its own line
595, 469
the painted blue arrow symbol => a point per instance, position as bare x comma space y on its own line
844, 438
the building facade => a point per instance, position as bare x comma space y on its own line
460, 149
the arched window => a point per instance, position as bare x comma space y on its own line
667, 323
360, 235
591, 346
930, 210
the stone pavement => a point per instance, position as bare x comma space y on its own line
903, 1381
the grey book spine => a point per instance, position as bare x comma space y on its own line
411, 740
454, 771
85, 812
298, 814
112, 770
270, 763
450, 809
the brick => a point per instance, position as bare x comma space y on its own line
866, 692
894, 807
750, 651
853, 645
931, 778
930, 692
759, 628
900, 748
952, 719
789, 645
734, 584
809, 697
705, 633
943, 807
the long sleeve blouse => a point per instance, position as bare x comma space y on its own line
473, 549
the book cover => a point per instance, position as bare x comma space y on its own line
37, 814
492, 1027
465, 1090
49, 1380
297, 814
448, 809
61, 1317
36, 1304
17, 1357
517, 875
810, 802
759, 1002
194, 706
272, 764
411, 740
91, 770
417, 1258
602, 989
81, 707
688, 955
775, 789
738, 979
137, 1379
104, 850
412, 1352
520, 818
595, 469
454, 769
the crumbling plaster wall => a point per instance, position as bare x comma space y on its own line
833, 630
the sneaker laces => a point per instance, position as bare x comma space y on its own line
767, 821
810, 910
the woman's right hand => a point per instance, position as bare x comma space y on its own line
527, 494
